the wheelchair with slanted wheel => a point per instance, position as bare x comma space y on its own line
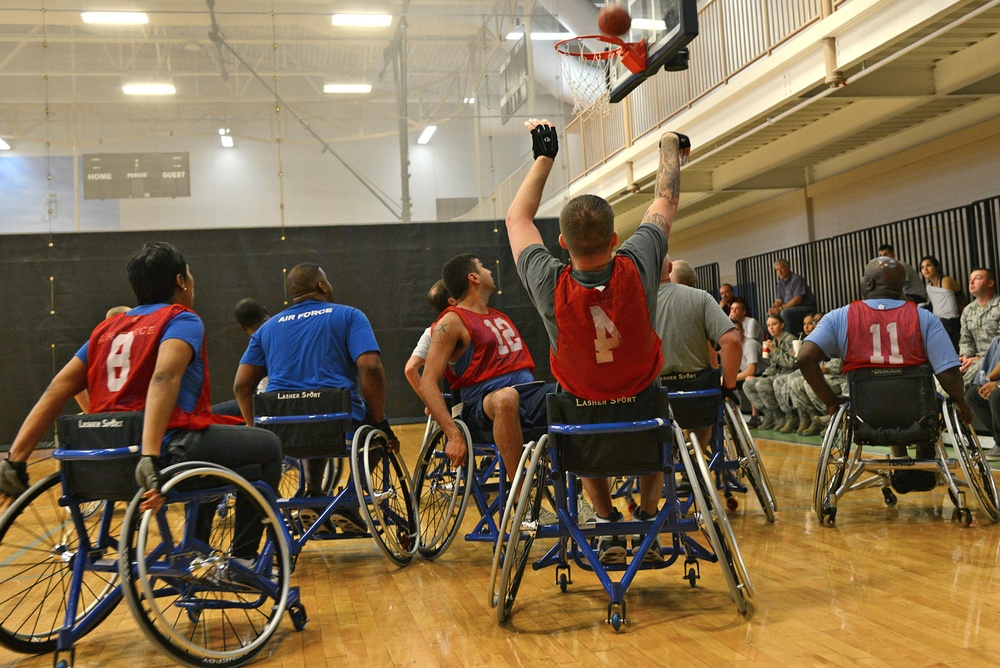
63, 568
625, 437
376, 501
899, 407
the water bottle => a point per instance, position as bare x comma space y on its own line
981, 377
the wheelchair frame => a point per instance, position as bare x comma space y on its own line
519, 528
841, 469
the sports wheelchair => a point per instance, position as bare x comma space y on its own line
69, 554
697, 402
442, 491
608, 440
879, 413
317, 424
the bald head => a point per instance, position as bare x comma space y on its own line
308, 281
884, 279
682, 273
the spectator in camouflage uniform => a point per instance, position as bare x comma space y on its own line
760, 389
980, 323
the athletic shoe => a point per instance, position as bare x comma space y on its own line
754, 421
349, 521
913, 481
993, 453
546, 517
611, 549
653, 554
585, 512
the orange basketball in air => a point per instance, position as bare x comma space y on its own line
614, 20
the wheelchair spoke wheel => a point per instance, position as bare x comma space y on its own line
186, 590
833, 461
521, 532
39, 543
383, 485
751, 465
975, 466
441, 492
291, 484
715, 524
510, 505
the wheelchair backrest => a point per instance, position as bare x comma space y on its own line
694, 412
893, 405
112, 479
317, 438
623, 453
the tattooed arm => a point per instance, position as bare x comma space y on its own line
446, 339
668, 183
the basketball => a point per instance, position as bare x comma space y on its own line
614, 20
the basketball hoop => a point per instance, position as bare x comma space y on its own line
587, 63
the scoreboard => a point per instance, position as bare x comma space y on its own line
136, 175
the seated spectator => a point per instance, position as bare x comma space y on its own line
739, 312
945, 295
914, 289
751, 364
980, 323
793, 299
781, 360
726, 297
250, 314
984, 400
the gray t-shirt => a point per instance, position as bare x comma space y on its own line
752, 354
752, 329
539, 270
686, 319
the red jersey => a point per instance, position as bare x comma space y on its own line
497, 347
607, 348
121, 359
881, 338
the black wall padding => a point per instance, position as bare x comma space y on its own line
54, 296
961, 238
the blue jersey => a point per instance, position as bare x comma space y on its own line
313, 345
831, 334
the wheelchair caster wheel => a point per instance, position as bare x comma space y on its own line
692, 572
732, 503
965, 515
563, 582
616, 621
890, 498
299, 617
829, 516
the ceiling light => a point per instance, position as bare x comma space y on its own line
4, 146
225, 138
347, 88
515, 35
115, 18
149, 88
362, 20
648, 24
426, 135
469, 100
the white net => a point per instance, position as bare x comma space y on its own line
586, 66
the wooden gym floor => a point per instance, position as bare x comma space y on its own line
886, 586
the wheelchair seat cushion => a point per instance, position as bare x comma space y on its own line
624, 453
308, 439
893, 406
112, 479
694, 412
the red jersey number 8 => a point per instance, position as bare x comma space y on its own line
118, 361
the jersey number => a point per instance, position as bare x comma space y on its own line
507, 338
118, 361
894, 356
608, 337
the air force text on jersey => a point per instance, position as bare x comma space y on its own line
305, 314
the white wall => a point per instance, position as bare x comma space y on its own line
943, 174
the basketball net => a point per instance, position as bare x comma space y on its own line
587, 65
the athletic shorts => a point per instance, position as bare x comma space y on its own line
531, 404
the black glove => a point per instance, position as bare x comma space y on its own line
147, 472
733, 394
682, 141
383, 426
544, 141
13, 478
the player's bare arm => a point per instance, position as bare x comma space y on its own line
446, 341
674, 149
521, 230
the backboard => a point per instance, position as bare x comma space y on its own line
667, 26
